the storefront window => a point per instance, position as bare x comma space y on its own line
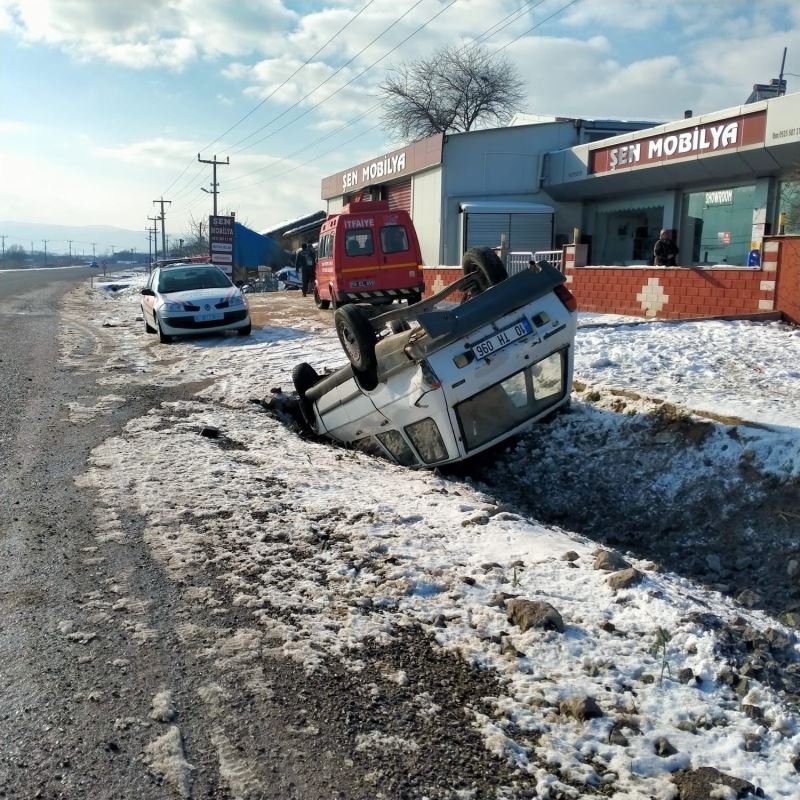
789, 208
716, 226
625, 233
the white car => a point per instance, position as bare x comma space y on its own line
185, 299
457, 381
290, 277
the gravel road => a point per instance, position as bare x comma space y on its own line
108, 686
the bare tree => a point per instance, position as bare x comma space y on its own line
456, 89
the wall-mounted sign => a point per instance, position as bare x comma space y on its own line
721, 197
408, 160
724, 237
699, 140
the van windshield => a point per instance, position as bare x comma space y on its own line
358, 242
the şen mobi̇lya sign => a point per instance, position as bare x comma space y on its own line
713, 137
705, 139
380, 168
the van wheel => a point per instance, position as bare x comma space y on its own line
319, 302
486, 263
357, 337
304, 376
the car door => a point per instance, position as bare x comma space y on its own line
149, 301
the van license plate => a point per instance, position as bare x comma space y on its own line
501, 339
212, 316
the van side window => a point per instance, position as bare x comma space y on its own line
325, 246
394, 239
358, 242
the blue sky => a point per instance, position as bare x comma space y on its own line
104, 105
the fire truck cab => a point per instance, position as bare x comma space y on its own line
368, 253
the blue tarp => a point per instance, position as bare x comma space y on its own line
252, 249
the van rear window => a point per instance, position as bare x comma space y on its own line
358, 242
394, 239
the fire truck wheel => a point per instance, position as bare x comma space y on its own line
486, 263
357, 337
319, 302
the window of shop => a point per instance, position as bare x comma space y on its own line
716, 226
789, 208
625, 232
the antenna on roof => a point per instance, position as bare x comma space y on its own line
781, 84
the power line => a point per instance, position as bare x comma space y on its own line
271, 94
331, 76
488, 34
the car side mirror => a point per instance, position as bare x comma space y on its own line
148, 292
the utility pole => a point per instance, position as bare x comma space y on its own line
94, 257
70, 251
4, 237
45, 250
155, 237
214, 190
163, 219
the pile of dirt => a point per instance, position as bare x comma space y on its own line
651, 479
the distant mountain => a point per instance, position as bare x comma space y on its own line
58, 236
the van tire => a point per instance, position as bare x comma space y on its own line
486, 263
304, 376
357, 337
319, 302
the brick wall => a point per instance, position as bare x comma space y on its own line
672, 293
784, 251
679, 293
654, 291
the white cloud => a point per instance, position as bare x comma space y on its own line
154, 152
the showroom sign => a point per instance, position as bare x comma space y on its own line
699, 140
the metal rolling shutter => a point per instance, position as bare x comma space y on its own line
523, 232
530, 232
483, 230
399, 195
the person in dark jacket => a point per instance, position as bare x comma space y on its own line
305, 261
665, 251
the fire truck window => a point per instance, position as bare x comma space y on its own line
358, 242
394, 239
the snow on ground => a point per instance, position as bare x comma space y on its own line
328, 547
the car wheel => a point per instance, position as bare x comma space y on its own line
148, 328
319, 302
486, 263
357, 337
246, 331
304, 376
162, 337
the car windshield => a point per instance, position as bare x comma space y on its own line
511, 402
191, 279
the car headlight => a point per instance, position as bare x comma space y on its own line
237, 301
173, 307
